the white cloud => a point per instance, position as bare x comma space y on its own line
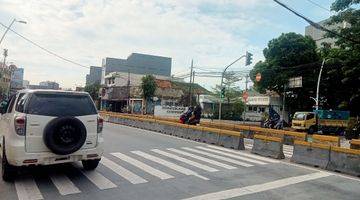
87, 31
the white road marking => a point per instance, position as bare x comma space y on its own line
232, 156
64, 185
143, 166
27, 189
244, 154
236, 162
213, 162
126, 174
241, 191
99, 180
187, 161
168, 164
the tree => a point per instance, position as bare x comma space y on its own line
287, 56
148, 86
345, 57
93, 90
234, 107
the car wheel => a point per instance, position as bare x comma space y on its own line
90, 164
311, 130
8, 172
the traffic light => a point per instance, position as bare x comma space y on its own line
249, 58
223, 92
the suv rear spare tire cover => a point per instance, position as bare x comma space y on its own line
64, 135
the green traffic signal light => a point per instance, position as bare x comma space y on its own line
222, 92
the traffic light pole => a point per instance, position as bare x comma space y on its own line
222, 81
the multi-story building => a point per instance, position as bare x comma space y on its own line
49, 85
138, 64
94, 76
17, 78
319, 35
121, 92
26, 84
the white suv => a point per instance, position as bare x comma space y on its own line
45, 127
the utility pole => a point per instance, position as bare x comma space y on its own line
128, 88
318, 85
248, 58
246, 81
283, 106
191, 79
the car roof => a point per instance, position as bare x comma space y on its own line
51, 91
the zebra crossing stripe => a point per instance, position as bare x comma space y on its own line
64, 185
213, 162
27, 189
126, 174
245, 154
99, 180
232, 156
143, 166
229, 160
168, 164
187, 161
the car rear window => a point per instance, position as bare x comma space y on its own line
60, 105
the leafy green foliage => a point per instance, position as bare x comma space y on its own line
343, 75
148, 86
288, 56
93, 90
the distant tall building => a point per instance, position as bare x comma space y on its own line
17, 78
94, 76
26, 84
138, 64
49, 85
319, 35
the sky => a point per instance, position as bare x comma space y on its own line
211, 32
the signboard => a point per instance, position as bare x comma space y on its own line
258, 100
169, 111
295, 82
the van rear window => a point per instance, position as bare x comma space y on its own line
60, 105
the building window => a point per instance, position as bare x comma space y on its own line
255, 109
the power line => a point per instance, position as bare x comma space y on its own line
316, 25
318, 5
44, 49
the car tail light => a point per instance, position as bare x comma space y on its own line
20, 125
100, 124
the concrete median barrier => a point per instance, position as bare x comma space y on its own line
313, 154
181, 130
290, 137
210, 135
194, 133
169, 128
355, 144
344, 160
158, 127
327, 140
231, 139
268, 146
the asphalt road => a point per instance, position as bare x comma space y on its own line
141, 164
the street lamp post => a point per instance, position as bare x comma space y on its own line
8, 28
222, 81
